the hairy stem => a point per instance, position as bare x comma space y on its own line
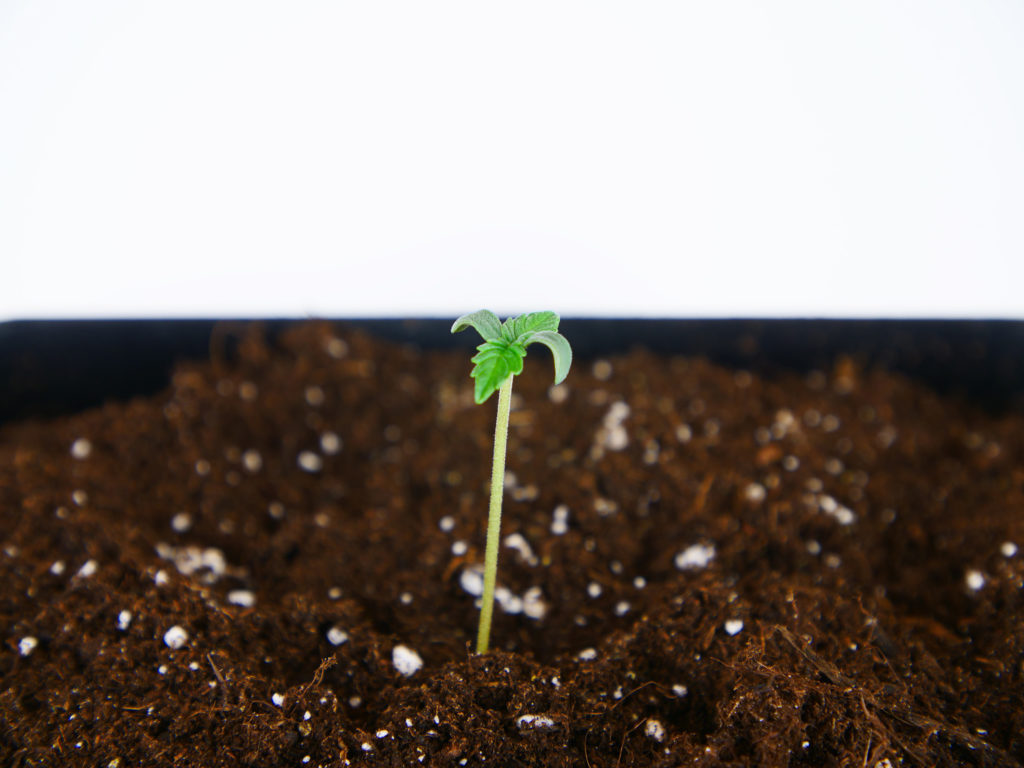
483, 634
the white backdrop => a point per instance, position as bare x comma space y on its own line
429, 158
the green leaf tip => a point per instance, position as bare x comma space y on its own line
486, 323
504, 348
560, 351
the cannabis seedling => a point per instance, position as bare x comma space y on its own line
497, 361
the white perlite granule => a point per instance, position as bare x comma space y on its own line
315, 396
695, 556
310, 462
242, 597
252, 460
754, 492
535, 722
181, 522
560, 521
472, 580
975, 580
81, 448
655, 730
406, 660
519, 543
336, 348
534, 605
337, 636
330, 443
175, 637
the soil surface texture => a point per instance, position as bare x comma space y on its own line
276, 562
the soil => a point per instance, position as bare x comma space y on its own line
272, 563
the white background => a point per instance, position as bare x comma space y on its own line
204, 158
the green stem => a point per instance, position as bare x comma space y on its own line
483, 634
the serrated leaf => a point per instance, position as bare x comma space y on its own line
560, 351
484, 321
495, 362
532, 322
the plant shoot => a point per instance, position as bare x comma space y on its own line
497, 361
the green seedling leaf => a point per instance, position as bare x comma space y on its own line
560, 351
495, 362
486, 323
517, 327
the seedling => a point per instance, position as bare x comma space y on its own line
497, 361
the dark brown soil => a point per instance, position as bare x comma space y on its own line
813, 570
